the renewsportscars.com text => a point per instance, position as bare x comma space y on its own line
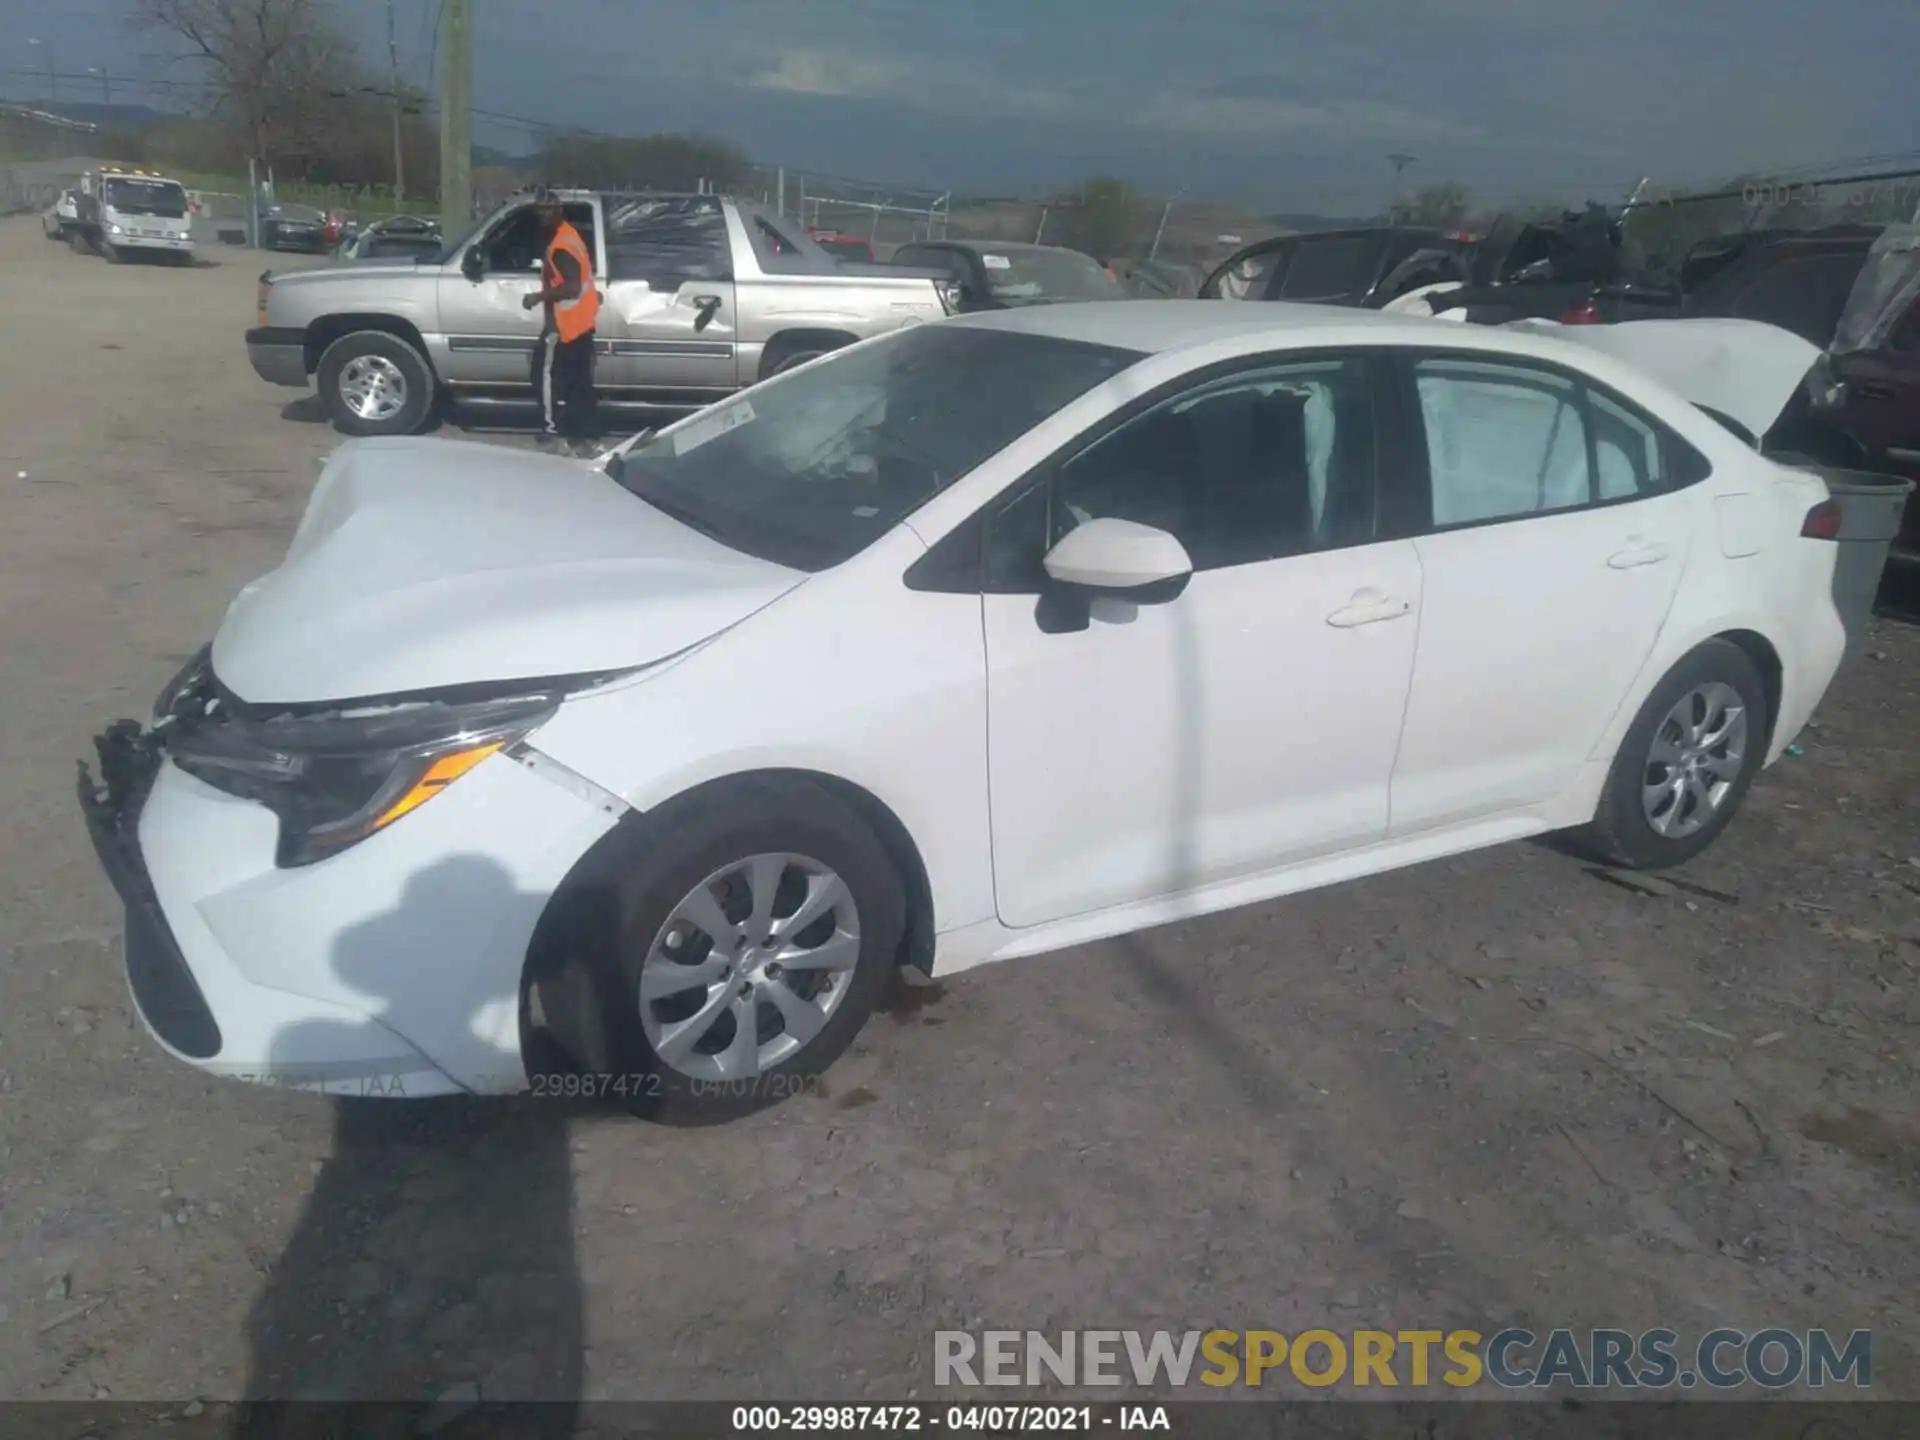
1512, 1359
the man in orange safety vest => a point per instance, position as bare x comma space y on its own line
563, 360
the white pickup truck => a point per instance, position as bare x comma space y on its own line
701, 296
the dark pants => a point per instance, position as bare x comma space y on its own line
563, 379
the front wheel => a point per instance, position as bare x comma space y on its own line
374, 383
754, 936
1686, 763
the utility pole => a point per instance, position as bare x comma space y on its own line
456, 116
393, 86
53, 77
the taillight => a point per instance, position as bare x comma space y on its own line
1587, 314
1823, 521
260, 297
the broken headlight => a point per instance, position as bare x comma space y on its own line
335, 777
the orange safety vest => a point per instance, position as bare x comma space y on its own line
572, 318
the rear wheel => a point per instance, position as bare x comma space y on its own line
78, 242
374, 383
756, 931
1686, 762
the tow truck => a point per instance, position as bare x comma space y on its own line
122, 213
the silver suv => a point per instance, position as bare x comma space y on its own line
700, 297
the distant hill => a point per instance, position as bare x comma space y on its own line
107, 117
501, 160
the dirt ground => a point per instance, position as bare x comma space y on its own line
1498, 1090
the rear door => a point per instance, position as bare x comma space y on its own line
670, 321
1552, 529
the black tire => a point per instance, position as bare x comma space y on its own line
421, 392
684, 844
784, 354
788, 360
1620, 832
111, 254
78, 242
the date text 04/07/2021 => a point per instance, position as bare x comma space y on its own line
641, 1085
988, 1419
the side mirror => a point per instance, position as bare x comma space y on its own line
1121, 559
473, 264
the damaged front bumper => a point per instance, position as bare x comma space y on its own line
392, 969
162, 984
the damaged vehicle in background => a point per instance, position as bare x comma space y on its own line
843, 247
1367, 266
1867, 385
997, 274
1574, 270
976, 640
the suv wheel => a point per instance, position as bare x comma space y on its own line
373, 383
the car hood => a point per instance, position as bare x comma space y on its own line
422, 563
1744, 369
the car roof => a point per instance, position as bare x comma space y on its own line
1003, 247
1164, 325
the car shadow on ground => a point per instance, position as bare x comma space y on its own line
307, 410
433, 1265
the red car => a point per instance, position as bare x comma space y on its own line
843, 247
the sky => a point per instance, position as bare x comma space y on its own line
1295, 105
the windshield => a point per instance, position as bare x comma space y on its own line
147, 197
809, 470
450, 250
1039, 276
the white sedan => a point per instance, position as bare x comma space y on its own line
973, 641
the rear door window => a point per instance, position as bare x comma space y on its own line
1329, 269
667, 241
1503, 441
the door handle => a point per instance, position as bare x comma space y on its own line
1873, 389
708, 306
1636, 553
1370, 610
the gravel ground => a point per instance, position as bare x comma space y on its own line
1494, 1090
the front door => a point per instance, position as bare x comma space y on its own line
1249, 722
670, 294
1555, 540
490, 334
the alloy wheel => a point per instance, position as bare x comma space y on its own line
1696, 758
373, 387
749, 967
